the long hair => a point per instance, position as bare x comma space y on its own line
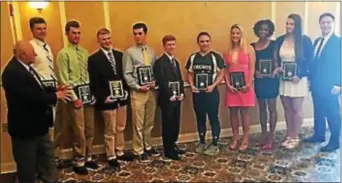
242, 44
298, 36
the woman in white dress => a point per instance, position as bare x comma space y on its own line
297, 48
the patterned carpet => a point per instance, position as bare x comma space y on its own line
304, 164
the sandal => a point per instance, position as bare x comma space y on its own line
286, 141
293, 143
243, 147
266, 147
262, 140
233, 146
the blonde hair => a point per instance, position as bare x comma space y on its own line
243, 45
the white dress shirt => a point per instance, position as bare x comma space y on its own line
326, 38
106, 53
41, 63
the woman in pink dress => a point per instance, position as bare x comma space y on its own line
240, 57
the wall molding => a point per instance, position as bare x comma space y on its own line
306, 17
62, 14
183, 138
106, 14
338, 14
16, 21
274, 15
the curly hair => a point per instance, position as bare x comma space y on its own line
258, 25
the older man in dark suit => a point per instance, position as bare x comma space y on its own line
30, 116
325, 80
171, 92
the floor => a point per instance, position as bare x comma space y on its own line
304, 164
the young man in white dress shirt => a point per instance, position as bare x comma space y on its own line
44, 66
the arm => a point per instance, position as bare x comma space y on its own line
180, 79
337, 63
220, 70
94, 78
62, 70
127, 65
308, 54
19, 86
251, 65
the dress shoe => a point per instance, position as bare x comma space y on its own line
314, 139
91, 165
330, 147
82, 170
126, 157
173, 156
114, 163
152, 152
142, 157
62, 164
179, 151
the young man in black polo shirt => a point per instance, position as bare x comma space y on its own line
205, 72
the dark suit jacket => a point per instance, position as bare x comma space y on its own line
326, 70
100, 73
303, 65
29, 105
164, 73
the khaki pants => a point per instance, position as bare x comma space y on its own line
143, 112
57, 129
115, 123
82, 124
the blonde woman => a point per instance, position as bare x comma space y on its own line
240, 58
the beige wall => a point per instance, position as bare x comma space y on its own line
183, 19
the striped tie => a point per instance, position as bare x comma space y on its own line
52, 72
83, 70
112, 61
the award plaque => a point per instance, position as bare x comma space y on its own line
201, 81
144, 75
290, 69
237, 79
116, 89
265, 67
175, 88
49, 83
83, 93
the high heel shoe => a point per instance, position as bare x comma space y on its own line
233, 145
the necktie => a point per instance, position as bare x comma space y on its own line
112, 61
174, 66
34, 75
145, 56
319, 48
83, 70
52, 72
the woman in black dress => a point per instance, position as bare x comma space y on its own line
266, 85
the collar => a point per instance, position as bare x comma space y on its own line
26, 66
141, 46
106, 51
39, 42
169, 56
326, 37
75, 46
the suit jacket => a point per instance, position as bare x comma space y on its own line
303, 64
29, 104
100, 73
164, 73
326, 70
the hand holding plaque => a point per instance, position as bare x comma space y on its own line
289, 70
237, 80
49, 83
144, 75
201, 81
265, 67
174, 88
116, 89
83, 93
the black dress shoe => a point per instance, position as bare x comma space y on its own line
62, 164
126, 157
173, 156
314, 139
91, 165
330, 147
114, 163
179, 151
82, 170
152, 152
142, 157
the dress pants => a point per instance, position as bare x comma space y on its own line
82, 124
143, 112
327, 107
34, 155
115, 123
170, 124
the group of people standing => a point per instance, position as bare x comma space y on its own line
83, 82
